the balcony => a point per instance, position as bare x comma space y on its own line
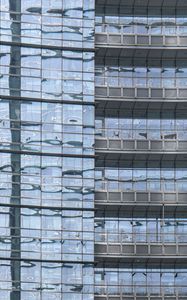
146, 94
160, 145
145, 297
123, 39
114, 199
140, 292
141, 245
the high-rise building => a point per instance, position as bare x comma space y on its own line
47, 150
93, 149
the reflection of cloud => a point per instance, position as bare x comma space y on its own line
36, 10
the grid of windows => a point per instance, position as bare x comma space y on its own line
47, 127
142, 124
142, 20
47, 180
143, 176
136, 230
140, 280
130, 76
48, 22
140, 221
54, 74
47, 149
66, 234
48, 221
48, 280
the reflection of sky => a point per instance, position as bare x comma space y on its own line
50, 163
141, 124
139, 177
54, 75
145, 76
147, 24
147, 280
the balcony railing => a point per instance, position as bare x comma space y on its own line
121, 290
122, 144
142, 93
132, 35
139, 197
143, 29
132, 79
141, 249
112, 237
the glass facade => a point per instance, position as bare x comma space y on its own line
143, 176
93, 108
141, 281
155, 75
141, 167
136, 230
142, 20
150, 124
47, 149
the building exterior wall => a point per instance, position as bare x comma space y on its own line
47, 150
140, 173
93, 141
